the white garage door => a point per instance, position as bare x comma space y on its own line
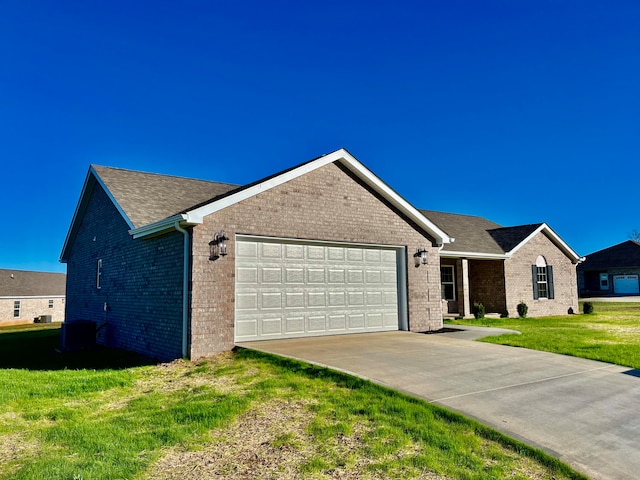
625, 284
296, 289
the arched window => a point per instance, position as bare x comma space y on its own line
542, 279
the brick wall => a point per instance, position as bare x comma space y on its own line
141, 283
519, 285
326, 204
31, 307
487, 285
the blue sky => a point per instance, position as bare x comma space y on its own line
515, 110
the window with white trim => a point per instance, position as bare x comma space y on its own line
99, 274
448, 282
16, 309
50, 303
542, 279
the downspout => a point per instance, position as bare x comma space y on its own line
185, 290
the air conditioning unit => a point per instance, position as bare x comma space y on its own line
78, 335
42, 319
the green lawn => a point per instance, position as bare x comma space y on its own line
238, 415
610, 334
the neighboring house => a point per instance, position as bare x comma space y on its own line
503, 266
25, 295
612, 271
173, 267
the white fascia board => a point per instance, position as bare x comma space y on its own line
346, 159
569, 252
474, 255
165, 224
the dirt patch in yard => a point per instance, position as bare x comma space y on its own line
269, 443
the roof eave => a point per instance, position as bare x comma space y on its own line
89, 184
169, 223
555, 238
474, 255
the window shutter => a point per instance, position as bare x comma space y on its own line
550, 282
534, 279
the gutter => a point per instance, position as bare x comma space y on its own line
185, 290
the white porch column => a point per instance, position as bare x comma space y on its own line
466, 305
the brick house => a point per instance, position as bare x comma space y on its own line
613, 271
174, 267
25, 295
503, 266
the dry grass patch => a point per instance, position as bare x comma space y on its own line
15, 450
271, 442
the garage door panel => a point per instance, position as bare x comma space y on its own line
355, 277
294, 276
315, 276
247, 302
294, 299
317, 323
390, 320
271, 275
356, 299
316, 299
336, 276
356, 321
271, 250
374, 320
287, 289
336, 254
271, 326
247, 327
294, 252
272, 300
294, 325
315, 252
337, 322
337, 299
247, 275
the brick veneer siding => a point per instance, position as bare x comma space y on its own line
31, 307
141, 283
519, 285
325, 204
487, 285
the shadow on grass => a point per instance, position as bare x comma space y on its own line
36, 349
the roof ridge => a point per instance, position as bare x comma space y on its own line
181, 177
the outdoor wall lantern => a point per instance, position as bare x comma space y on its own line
421, 256
218, 246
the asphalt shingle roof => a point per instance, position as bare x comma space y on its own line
471, 233
24, 283
479, 235
622, 255
149, 197
509, 238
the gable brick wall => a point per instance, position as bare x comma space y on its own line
141, 283
325, 204
519, 285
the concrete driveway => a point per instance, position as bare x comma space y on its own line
586, 413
